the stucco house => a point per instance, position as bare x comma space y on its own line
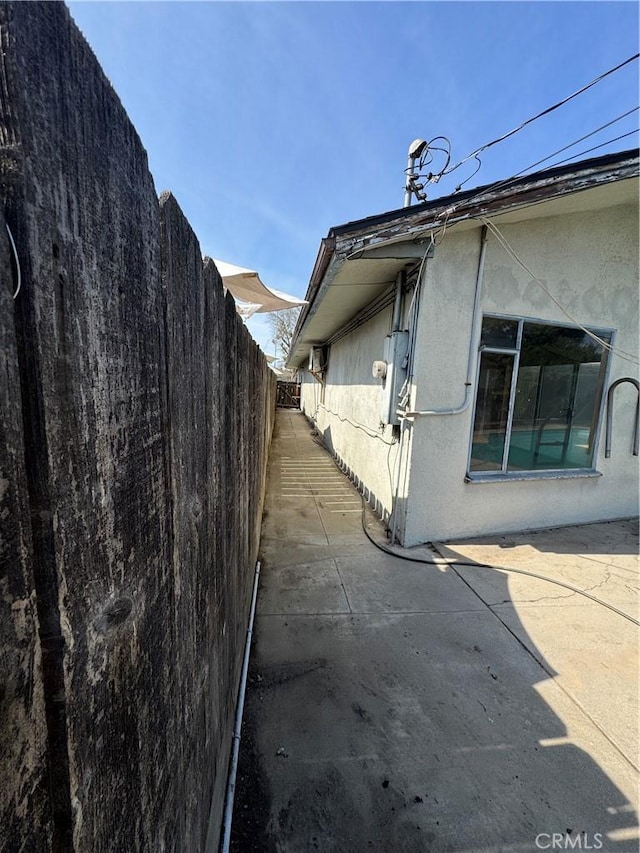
458, 355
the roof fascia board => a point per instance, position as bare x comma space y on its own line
408, 225
326, 272
605, 168
412, 241
451, 209
323, 259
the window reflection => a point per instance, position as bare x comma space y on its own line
555, 404
492, 411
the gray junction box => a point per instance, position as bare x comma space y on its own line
395, 355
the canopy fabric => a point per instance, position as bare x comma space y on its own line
247, 309
245, 285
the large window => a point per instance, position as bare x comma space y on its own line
538, 397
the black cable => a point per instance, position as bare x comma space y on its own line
541, 114
472, 175
427, 158
595, 148
571, 144
505, 182
443, 561
501, 184
363, 427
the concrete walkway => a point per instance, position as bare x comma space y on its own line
394, 706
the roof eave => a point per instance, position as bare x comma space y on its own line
482, 201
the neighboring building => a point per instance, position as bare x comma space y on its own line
495, 349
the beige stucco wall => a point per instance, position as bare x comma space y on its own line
589, 261
348, 412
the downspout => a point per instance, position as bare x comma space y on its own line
473, 345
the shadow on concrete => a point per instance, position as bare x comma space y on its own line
390, 709
607, 538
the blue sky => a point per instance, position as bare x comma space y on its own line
273, 121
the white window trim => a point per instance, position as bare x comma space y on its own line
504, 476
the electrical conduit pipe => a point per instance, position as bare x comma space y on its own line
477, 306
233, 770
473, 345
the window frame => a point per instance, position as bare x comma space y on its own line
546, 473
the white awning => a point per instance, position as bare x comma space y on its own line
247, 309
245, 286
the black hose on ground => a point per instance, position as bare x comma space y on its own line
443, 561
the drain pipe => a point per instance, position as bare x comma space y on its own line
233, 770
477, 305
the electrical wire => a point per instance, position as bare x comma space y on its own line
438, 236
427, 158
444, 561
544, 112
626, 356
404, 392
434, 178
505, 182
633, 132
472, 175
414, 172
363, 427
605, 344
430, 147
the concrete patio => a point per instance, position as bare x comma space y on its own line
396, 706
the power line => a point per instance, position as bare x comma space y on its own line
540, 114
449, 211
596, 147
626, 356
510, 180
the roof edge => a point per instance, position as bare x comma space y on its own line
599, 163
531, 188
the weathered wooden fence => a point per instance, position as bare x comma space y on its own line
136, 418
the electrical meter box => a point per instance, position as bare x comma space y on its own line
395, 354
316, 359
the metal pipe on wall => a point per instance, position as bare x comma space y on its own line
473, 346
405, 422
401, 277
394, 526
231, 787
609, 426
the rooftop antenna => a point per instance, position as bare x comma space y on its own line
416, 150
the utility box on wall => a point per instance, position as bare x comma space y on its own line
317, 359
395, 355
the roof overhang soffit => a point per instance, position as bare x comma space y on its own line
365, 260
351, 282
